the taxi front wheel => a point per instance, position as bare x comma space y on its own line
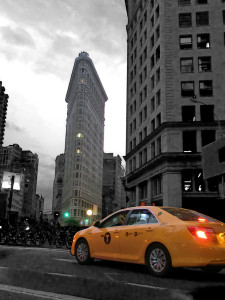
82, 252
158, 260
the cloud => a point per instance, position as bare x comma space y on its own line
14, 127
17, 36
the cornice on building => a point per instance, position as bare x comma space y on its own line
167, 125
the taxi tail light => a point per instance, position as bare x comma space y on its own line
201, 232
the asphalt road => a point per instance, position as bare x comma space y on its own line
49, 273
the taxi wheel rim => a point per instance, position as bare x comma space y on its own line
82, 252
158, 260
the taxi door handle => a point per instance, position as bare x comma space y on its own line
117, 231
149, 229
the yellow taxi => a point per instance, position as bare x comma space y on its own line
160, 237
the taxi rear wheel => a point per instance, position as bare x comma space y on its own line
82, 252
158, 260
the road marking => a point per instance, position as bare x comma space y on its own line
35, 293
147, 286
61, 274
158, 288
67, 260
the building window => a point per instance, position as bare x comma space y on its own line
207, 113
145, 112
189, 141
145, 132
185, 20
202, 18
157, 32
187, 180
156, 185
223, 16
158, 76
145, 156
140, 117
186, 65
157, 53
208, 136
187, 88
130, 145
158, 120
184, 2
158, 144
145, 92
153, 82
185, 42
134, 124
140, 98
152, 61
158, 98
140, 159
201, 1
153, 150
204, 64
152, 104
205, 88
134, 163
157, 13
152, 41
153, 125
188, 113
203, 40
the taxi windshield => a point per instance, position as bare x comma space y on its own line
188, 215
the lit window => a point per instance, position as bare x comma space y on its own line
185, 42
203, 40
204, 64
205, 88
186, 65
187, 88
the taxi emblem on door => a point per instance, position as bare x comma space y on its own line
107, 238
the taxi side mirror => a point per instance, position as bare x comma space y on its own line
97, 224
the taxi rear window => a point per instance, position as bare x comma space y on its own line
188, 215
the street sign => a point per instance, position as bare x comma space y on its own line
7, 180
213, 159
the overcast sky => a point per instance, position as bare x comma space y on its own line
39, 41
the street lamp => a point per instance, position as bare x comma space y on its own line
89, 213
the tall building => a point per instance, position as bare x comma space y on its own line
3, 111
113, 197
14, 159
175, 100
86, 97
58, 183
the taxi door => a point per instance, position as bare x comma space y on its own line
106, 243
136, 234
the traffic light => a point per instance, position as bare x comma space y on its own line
66, 214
